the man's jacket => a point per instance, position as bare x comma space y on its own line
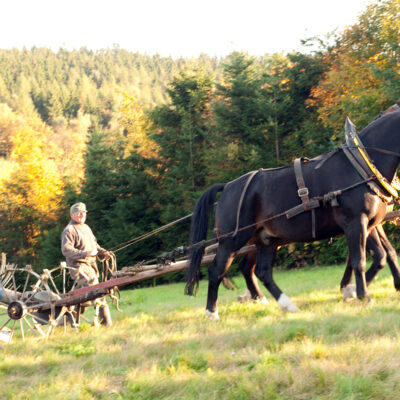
77, 241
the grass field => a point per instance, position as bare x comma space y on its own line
162, 347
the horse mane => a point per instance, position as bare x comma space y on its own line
394, 109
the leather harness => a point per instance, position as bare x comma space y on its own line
307, 204
358, 157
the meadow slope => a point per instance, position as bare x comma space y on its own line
162, 347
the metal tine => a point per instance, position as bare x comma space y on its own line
3, 263
63, 274
39, 329
6, 279
52, 314
35, 290
5, 272
13, 327
51, 326
85, 318
5, 282
54, 285
5, 324
22, 329
35, 317
14, 285
26, 283
30, 326
74, 284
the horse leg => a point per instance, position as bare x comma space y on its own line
391, 257
216, 271
246, 266
348, 273
356, 235
376, 249
265, 259
348, 290
378, 254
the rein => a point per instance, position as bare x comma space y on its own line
384, 151
137, 239
367, 179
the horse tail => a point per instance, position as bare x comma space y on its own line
198, 233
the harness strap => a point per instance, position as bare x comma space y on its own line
302, 192
249, 179
354, 162
325, 158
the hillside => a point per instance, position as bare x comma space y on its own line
162, 347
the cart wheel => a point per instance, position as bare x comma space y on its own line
27, 303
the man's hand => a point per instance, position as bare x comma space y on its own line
105, 255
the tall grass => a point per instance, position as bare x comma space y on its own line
163, 347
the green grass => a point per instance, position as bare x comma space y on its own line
163, 347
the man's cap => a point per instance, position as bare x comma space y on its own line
78, 208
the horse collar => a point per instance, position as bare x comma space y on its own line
359, 158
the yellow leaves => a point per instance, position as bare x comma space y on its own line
284, 82
379, 60
35, 181
69, 140
134, 124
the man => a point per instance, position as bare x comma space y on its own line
80, 248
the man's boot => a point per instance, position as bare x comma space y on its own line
105, 315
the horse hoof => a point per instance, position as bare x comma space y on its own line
349, 292
286, 304
367, 300
244, 297
262, 300
213, 316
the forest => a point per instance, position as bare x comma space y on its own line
138, 138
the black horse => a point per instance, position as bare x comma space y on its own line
255, 209
381, 251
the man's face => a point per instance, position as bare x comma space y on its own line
79, 218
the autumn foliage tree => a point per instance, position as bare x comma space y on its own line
362, 76
31, 194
